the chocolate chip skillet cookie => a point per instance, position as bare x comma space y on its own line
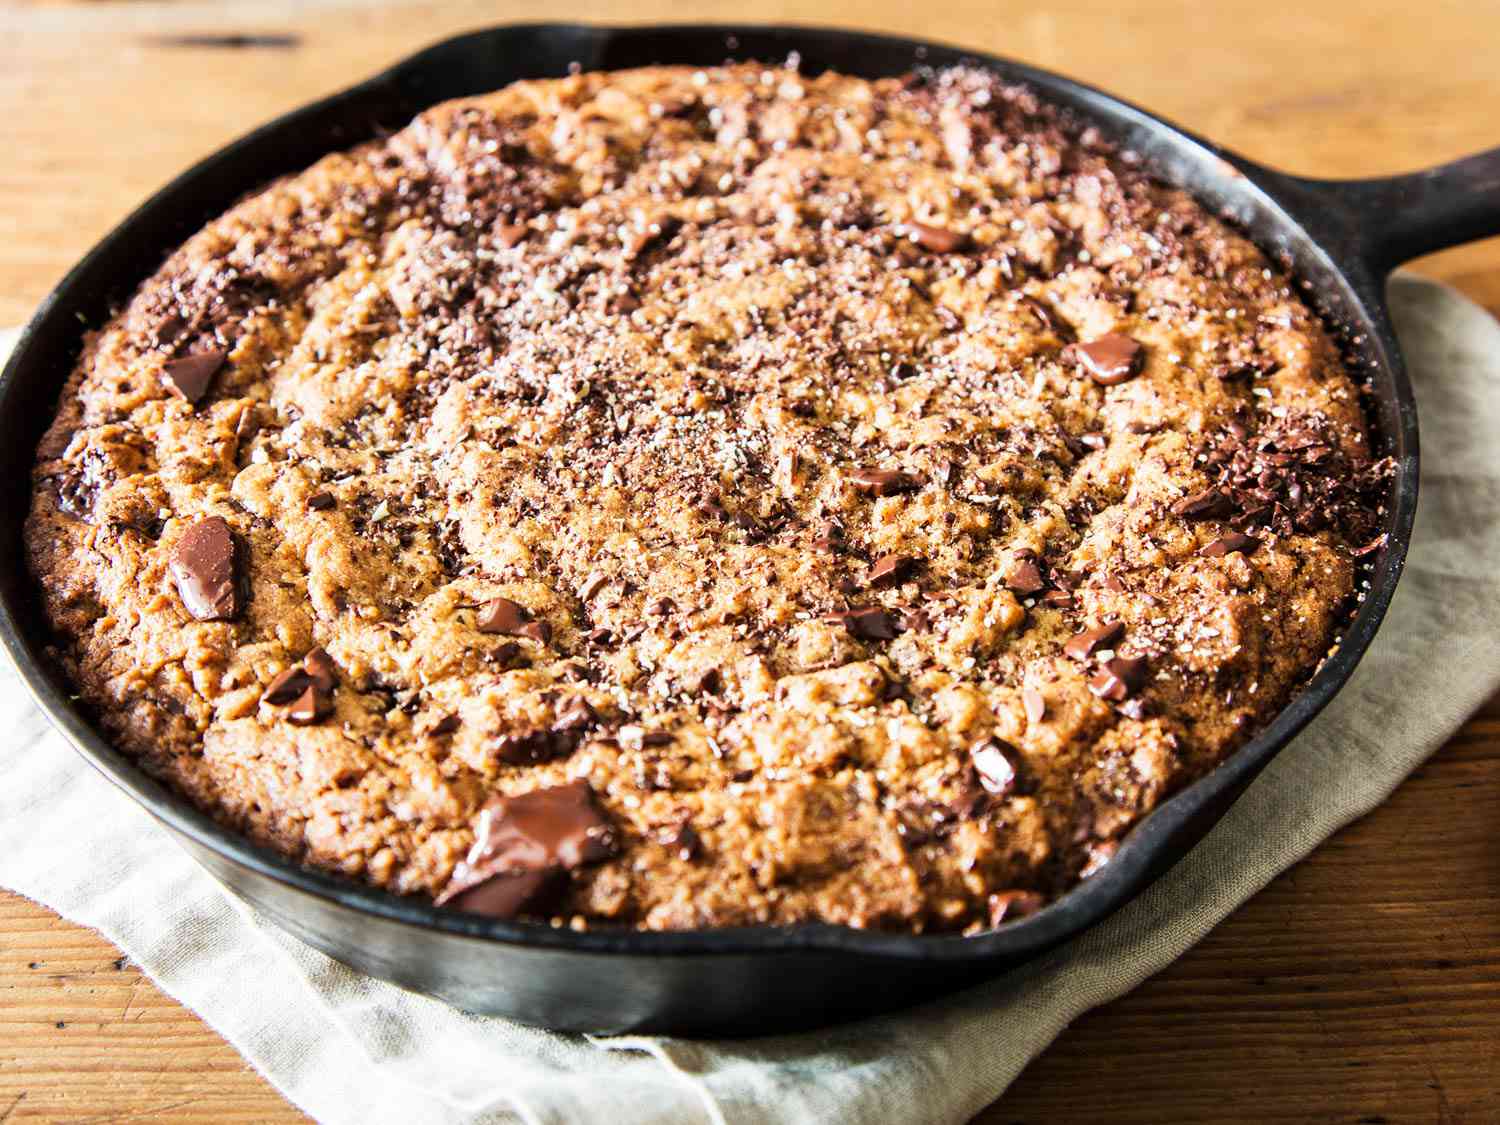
682, 498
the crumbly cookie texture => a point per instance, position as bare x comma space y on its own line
877, 495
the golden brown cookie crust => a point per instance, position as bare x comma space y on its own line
753, 446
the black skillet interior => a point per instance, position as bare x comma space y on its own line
749, 980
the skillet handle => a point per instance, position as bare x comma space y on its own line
1396, 218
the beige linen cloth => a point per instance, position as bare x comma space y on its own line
347, 1048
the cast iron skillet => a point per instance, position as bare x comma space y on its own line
1340, 238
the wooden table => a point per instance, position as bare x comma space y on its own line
1362, 986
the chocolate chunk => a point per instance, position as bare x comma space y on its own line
501, 615
538, 631
321, 501
994, 763
916, 620
1024, 577
189, 377
1206, 505
599, 636
892, 570
510, 235
527, 747
1045, 316
592, 585
1036, 705
1083, 645
571, 724
574, 715
1119, 678
305, 690
321, 668
509, 893
203, 567
621, 303
1058, 599
287, 687
684, 840
936, 239
1007, 906
1234, 542
448, 724
830, 537
883, 482
312, 706
544, 831
868, 623
1110, 359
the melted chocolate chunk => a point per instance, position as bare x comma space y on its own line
312, 706
322, 670
1110, 359
448, 724
538, 631
883, 482
204, 568
868, 623
306, 690
684, 840
1234, 543
892, 570
936, 239
321, 501
571, 723
189, 377
575, 715
1024, 577
1119, 678
509, 893
1084, 645
286, 687
545, 831
503, 616
521, 748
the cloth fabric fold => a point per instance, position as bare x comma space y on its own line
347, 1048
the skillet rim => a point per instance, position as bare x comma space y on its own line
1293, 207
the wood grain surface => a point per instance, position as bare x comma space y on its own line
1362, 986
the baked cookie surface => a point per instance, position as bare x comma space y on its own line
680, 498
